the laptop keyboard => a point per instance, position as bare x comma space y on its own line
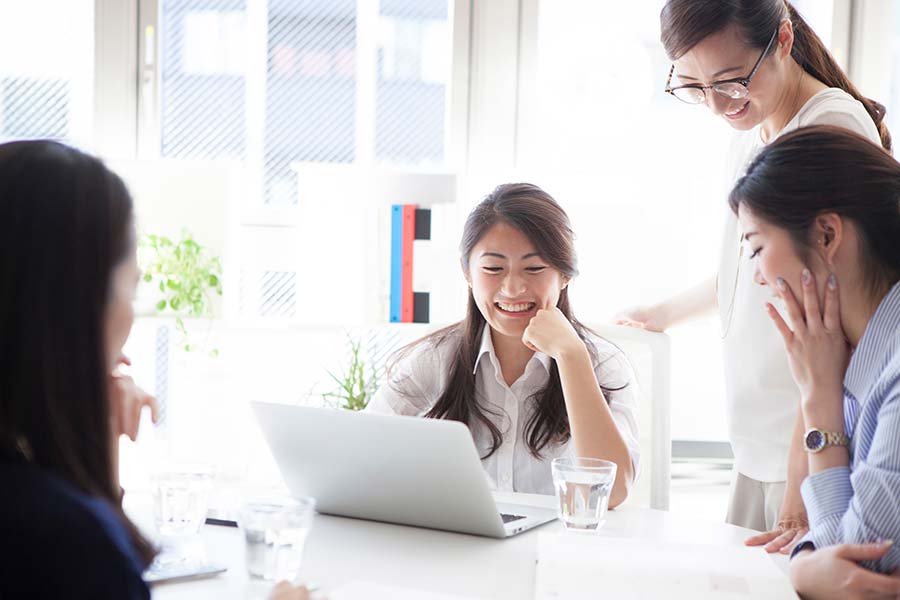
510, 518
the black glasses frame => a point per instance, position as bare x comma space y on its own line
744, 81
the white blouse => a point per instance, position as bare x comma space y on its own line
761, 398
416, 383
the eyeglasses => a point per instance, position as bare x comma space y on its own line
732, 89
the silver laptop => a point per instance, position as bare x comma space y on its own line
407, 470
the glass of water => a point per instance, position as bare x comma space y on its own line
583, 486
180, 495
275, 531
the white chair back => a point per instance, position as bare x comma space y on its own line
649, 354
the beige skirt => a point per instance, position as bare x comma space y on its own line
754, 504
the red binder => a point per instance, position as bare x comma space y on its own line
406, 291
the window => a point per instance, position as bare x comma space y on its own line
46, 73
280, 89
893, 75
277, 83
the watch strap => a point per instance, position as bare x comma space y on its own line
834, 438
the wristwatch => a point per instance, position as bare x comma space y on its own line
816, 440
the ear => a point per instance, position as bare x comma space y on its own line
828, 236
465, 272
565, 282
785, 38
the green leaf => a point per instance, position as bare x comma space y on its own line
186, 277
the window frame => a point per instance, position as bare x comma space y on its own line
128, 60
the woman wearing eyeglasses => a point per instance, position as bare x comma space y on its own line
759, 66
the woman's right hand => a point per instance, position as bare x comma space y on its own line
692, 303
286, 591
834, 572
642, 317
127, 401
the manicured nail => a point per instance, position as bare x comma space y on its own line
781, 284
832, 281
805, 277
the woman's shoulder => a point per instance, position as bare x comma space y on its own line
834, 106
52, 522
430, 354
610, 361
417, 374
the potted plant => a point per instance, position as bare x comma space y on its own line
186, 280
356, 385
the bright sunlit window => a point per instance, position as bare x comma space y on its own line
893, 103
47, 74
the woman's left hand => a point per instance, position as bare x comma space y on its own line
550, 332
787, 534
126, 402
286, 591
817, 348
791, 527
835, 572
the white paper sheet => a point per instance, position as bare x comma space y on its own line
362, 590
576, 567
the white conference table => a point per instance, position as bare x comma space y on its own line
341, 550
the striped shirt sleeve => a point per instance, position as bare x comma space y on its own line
862, 505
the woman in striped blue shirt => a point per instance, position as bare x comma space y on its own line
820, 211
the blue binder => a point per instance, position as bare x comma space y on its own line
396, 263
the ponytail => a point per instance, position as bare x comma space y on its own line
812, 55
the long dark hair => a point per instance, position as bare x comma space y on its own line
684, 23
65, 223
826, 169
536, 214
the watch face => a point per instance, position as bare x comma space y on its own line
815, 439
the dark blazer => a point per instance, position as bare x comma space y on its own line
58, 542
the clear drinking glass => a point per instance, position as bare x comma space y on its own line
583, 486
275, 531
180, 496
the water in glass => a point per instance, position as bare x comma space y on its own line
583, 487
275, 534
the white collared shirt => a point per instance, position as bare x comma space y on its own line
415, 385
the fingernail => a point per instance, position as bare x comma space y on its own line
832, 281
805, 276
780, 284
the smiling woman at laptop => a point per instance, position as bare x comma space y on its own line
528, 379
